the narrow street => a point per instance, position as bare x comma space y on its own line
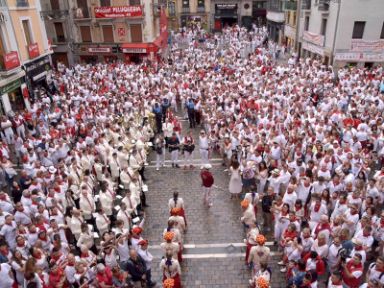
214, 243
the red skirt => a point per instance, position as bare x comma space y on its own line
248, 249
180, 254
182, 214
176, 279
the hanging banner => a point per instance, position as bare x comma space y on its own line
33, 50
360, 45
118, 12
313, 38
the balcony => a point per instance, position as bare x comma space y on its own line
54, 14
323, 5
305, 4
185, 10
275, 6
290, 5
22, 3
200, 9
59, 39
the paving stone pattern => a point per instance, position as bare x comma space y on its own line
219, 224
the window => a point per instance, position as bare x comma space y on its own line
60, 37
27, 32
358, 30
55, 5
382, 32
83, 7
200, 3
185, 3
105, 3
134, 2
85, 32
108, 33
306, 23
323, 26
136, 33
294, 18
22, 3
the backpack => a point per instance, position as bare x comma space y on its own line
372, 266
266, 204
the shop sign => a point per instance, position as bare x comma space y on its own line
226, 6
313, 38
118, 11
134, 50
43, 62
11, 60
99, 49
33, 50
367, 45
313, 48
360, 57
10, 86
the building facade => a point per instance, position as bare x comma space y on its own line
343, 32
275, 20
103, 30
25, 54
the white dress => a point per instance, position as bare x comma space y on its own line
235, 183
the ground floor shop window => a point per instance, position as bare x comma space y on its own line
16, 100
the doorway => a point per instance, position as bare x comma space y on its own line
228, 21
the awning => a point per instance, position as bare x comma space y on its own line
138, 48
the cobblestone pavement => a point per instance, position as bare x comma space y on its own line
209, 259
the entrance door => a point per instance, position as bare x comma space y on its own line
61, 57
55, 5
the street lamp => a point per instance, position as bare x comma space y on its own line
336, 27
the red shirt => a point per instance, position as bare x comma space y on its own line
207, 178
106, 277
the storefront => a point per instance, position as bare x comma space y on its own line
91, 54
226, 14
37, 71
13, 94
313, 47
137, 52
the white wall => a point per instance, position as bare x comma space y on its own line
371, 11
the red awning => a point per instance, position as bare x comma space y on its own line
138, 48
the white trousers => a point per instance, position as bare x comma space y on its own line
174, 156
204, 156
188, 158
20, 130
208, 195
160, 159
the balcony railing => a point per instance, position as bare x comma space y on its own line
290, 5
22, 3
185, 10
275, 5
323, 5
200, 9
306, 4
59, 39
55, 14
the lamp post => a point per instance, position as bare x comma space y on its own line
336, 28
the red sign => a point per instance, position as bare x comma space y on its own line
118, 12
33, 50
11, 60
163, 27
99, 49
121, 32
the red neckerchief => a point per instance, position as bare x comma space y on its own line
84, 255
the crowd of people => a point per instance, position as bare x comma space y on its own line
305, 145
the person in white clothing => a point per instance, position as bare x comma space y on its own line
148, 258
204, 147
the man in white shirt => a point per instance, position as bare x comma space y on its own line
147, 257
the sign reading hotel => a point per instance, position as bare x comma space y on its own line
118, 11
